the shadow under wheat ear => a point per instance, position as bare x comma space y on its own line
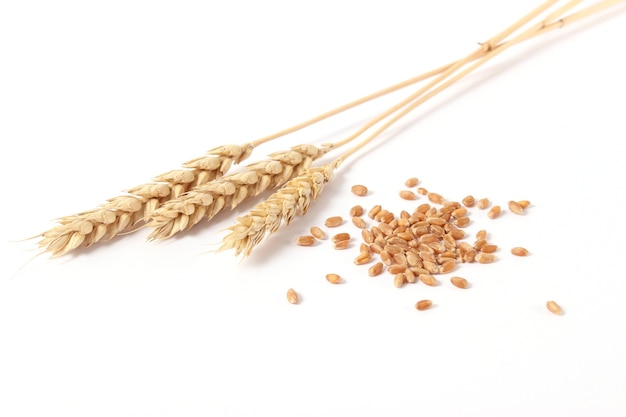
205, 201
121, 213
293, 199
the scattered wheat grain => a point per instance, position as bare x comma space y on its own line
333, 221
317, 233
483, 203
459, 282
516, 207
422, 191
375, 269
524, 203
333, 278
435, 198
411, 182
423, 305
374, 211
292, 296
485, 258
408, 195
359, 190
469, 201
359, 222
341, 244
489, 248
519, 251
305, 240
554, 307
494, 212
356, 211
398, 280
428, 279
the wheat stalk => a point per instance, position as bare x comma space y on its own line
122, 213
294, 198
205, 201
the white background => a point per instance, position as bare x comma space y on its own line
97, 97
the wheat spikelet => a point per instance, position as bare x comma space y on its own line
121, 213
205, 201
294, 198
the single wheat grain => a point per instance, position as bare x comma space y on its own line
317, 233
333, 278
359, 190
305, 240
519, 251
423, 305
292, 296
554, 307
459, 282
411, 182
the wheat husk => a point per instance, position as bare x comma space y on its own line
123, 213
293, 199
205, 201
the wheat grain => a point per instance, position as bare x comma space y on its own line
292, 296
294, 198
333, 278
399, 280
494, 212
515, 207
519, 251
305, 240
359, 222
408, 195
359, 190
435, 198
122, 213
317, 233
411, 182
469, 201
423, 305
459, 282
356, 211
340, 237
333, 221
375, 269
554, 307
483, 203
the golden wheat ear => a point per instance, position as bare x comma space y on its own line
122, 213
207, 200
293, 199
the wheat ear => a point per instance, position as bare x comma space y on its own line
294, 198
121, 213
205, 201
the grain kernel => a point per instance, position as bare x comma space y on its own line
362, 259
460, 212
482, 234
427, 279
554, 307
359, 190
333, 221
333, 278
519, 251
423, 305
396, 269
292, 296
368, 237
494, 212
459, 282
408, 195
485, 258
490, 248
411, 182
375, 269
359, 222
516, 207
435, 198
305, 240
422, 191
447, 266
398, 280
374, 211
318, 233
356, 211
469, 201
343, 244
410, 276
483, 203
524, 203
341, 237
462, 222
